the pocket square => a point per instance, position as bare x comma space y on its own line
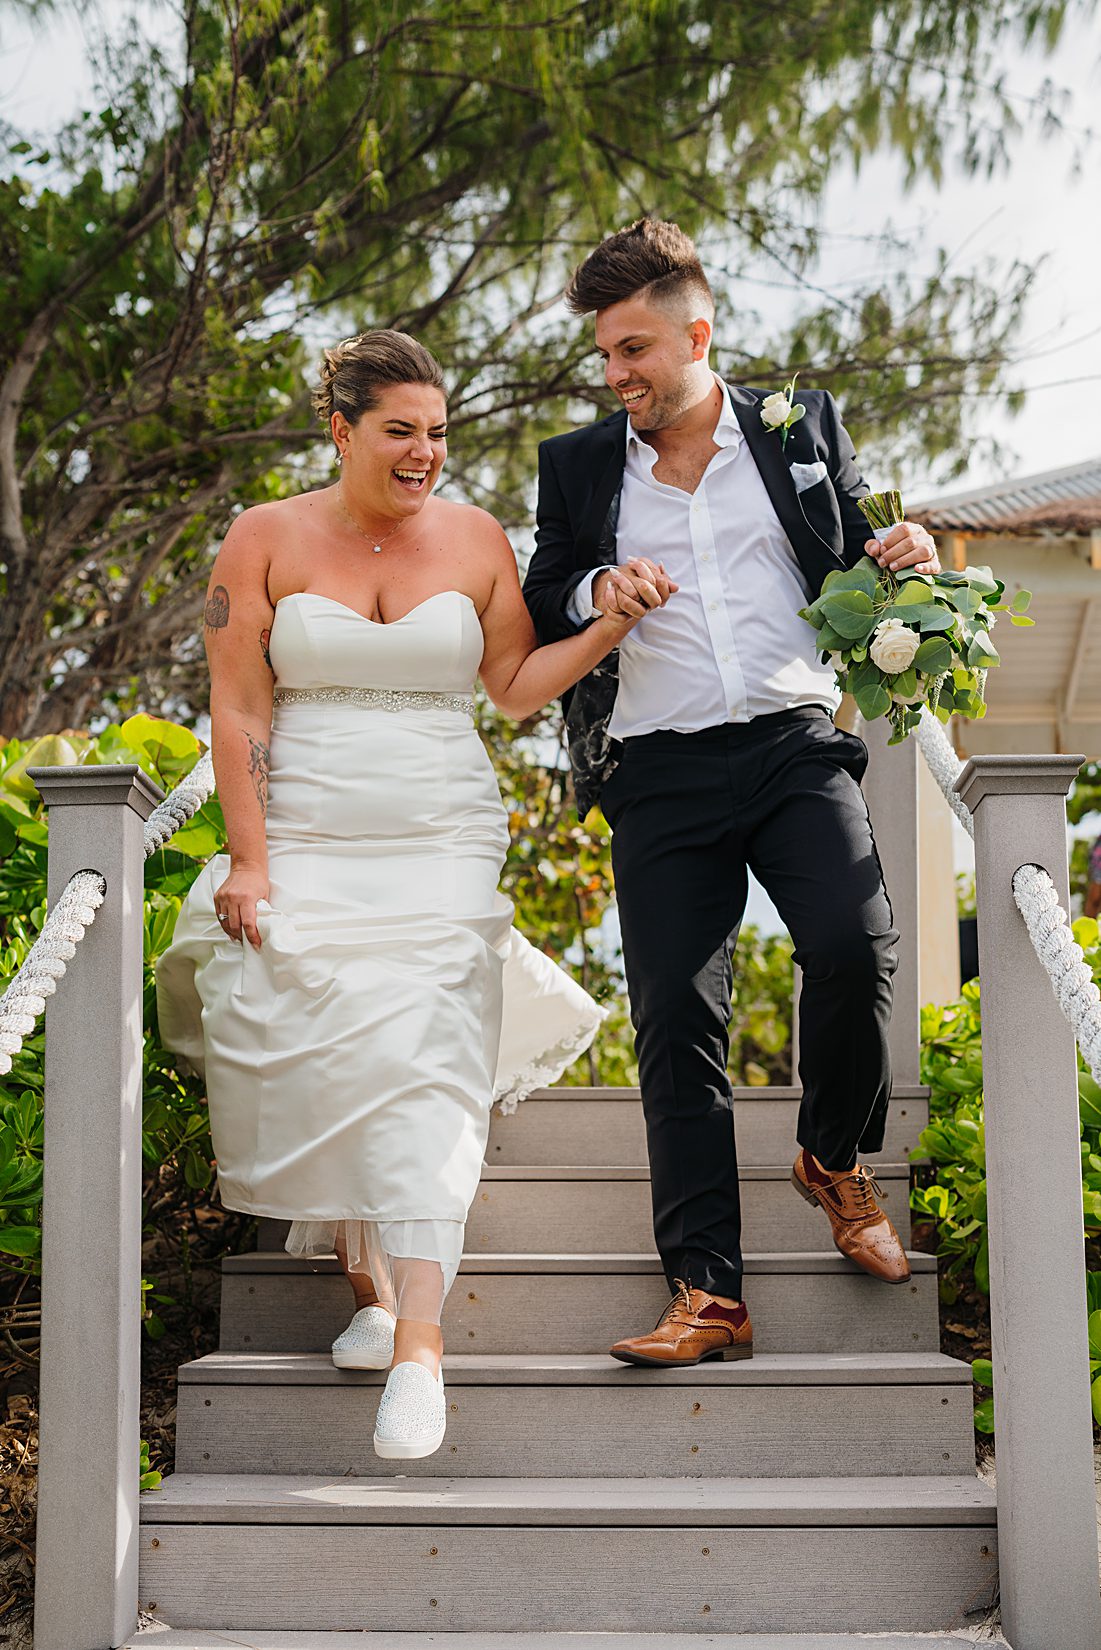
808, 475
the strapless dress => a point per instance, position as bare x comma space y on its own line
351, 1063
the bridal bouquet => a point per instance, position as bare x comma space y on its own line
901, 641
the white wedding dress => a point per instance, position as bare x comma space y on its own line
352, 1061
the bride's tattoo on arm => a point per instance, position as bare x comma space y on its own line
216, 612
265, 639
259, 766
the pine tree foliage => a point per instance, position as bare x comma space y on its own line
171, 261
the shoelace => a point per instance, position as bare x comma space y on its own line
869, 1192
681, 1301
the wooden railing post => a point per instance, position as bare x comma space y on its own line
86, 1588
891, 791
1047, 1530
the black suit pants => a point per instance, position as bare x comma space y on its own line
690, 813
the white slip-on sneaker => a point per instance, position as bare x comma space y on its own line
412, 1416
368, 1341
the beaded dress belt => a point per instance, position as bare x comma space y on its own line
377, 698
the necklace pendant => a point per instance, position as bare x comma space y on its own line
378, 549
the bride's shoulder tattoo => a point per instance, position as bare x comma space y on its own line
216, 612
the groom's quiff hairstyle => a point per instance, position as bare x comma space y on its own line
650, 257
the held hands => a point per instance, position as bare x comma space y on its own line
906, 545
626, 594
235, 902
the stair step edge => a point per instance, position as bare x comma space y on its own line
796, 1262
281, 1499
160, 1638
582, 1369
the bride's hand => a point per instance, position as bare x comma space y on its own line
634, 589
235, 902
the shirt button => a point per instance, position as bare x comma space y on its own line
706, 556
713, 607
726, 658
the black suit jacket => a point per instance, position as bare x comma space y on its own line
580, 478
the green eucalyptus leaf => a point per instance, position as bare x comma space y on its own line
982, 653
862, 576
936, 617
850, 613
914, 593
934, 657
873, 701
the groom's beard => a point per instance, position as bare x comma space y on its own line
666, 408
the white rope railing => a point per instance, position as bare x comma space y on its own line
73, 914
1054, 943
180, 804
45, 962
944, 765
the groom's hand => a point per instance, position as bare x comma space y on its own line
906, 545
632, 590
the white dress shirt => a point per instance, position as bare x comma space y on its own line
729, 645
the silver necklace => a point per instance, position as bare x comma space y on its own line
376, 543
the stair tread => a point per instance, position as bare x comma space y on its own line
237, 1498
797, 1261
588, 1369
600, 1172
778, 1091
159, 1638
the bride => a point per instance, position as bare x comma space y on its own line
348, 974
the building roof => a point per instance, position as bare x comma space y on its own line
1058, 501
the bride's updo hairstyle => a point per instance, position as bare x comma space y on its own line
355, 371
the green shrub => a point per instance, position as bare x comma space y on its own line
952, 1191
175, 1131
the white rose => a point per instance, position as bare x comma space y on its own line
837, 660
775, 410
893, 646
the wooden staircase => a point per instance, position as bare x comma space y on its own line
826, 1487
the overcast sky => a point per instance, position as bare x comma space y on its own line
1045, 205
1038, 208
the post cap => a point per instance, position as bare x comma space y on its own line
123, 786
1012, 775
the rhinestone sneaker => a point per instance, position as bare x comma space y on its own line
368, 1341
412, 1416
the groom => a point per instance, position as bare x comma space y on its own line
708, 740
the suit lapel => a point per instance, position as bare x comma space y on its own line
596, 542
769, 457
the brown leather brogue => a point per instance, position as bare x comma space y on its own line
860, 1228
693, 1327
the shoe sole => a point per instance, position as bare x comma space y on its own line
391, 1449
728, 1354
362, 1360
808, 1195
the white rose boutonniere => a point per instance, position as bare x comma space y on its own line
780, 410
